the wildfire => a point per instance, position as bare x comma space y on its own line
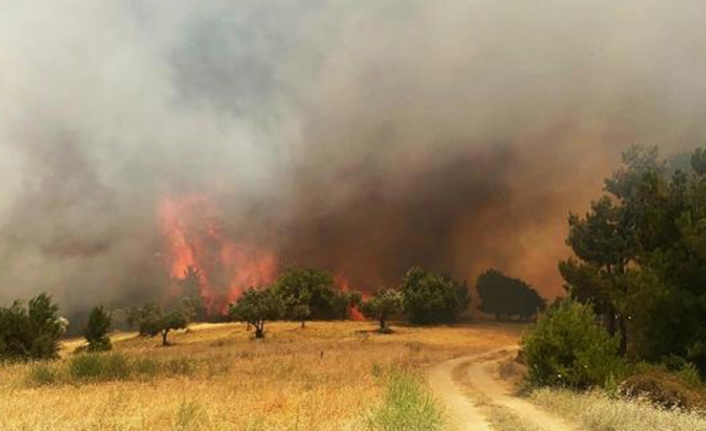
194, 238
343, 285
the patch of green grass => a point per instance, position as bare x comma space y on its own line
99, 367
408, 405
103, 367
42, 374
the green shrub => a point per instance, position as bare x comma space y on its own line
408, 406
32, 331
85, 367
41, 374
567, 348
99, 367
103, 367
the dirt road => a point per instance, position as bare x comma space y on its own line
453, 387
462, 413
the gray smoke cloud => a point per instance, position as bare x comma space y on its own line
362, 137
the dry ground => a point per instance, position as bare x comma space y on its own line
323, 377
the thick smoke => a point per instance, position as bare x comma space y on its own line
362, 137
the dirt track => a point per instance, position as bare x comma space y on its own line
479, 376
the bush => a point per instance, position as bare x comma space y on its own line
99, 367
32, 332
430, 298
41, 374
567, 348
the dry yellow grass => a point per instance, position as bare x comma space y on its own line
322, 377
597, 411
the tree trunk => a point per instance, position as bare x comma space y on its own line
164, 338
382, 325
622, 324
303, 323
611, 321
259, 330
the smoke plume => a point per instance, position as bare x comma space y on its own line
360, 137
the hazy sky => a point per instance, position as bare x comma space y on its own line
362, 137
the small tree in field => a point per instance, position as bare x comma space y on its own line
568, 348
255, 307
97, 328
155, 321
382, 306
301, 312
431, 298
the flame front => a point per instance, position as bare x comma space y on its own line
343, 285
194, 238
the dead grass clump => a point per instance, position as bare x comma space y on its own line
663, 389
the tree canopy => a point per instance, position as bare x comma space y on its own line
256, 306
507, 297
641, 256
153, 320
382, 306
309, 293
430, 298
31, 332
96, 331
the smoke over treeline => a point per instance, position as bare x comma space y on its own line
361, 137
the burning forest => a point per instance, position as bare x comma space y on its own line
198, 248
361, 139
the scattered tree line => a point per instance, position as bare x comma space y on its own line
300, 294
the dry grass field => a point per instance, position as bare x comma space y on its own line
327, 376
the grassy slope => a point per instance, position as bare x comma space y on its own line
329, 376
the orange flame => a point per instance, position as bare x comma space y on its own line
344, 286
193, 237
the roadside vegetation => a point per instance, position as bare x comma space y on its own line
598, 411
629, 339
408, 405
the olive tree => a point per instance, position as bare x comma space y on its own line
382, 306
256, 306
